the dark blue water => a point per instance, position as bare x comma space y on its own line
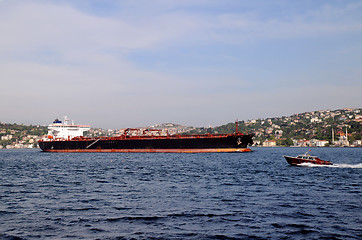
253, 195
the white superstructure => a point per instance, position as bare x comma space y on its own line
66, 130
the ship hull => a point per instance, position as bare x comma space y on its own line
171, 144
210, 150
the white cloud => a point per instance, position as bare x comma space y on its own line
239, 28
58, 60
65, 29
30, 28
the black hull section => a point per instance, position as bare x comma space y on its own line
158, 144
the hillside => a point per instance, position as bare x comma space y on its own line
298, 127
20, 136
303, 129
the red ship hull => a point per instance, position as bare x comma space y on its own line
220, 150
144, 144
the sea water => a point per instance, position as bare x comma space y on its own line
254, 195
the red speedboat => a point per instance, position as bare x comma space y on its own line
306, 158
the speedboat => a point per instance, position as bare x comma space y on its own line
306, 158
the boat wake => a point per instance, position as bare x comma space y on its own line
342, 165
347, 165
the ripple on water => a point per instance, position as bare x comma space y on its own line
179, 196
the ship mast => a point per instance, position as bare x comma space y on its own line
237, 126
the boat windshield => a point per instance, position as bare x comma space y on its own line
307, 157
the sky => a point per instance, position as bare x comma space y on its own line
130, 63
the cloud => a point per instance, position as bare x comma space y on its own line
65, 30
34, 28
59, 58
241, 28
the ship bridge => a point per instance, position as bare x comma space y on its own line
66, 130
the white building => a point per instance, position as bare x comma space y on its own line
322, 143
357, 143
7, 137
315, 119
270, 143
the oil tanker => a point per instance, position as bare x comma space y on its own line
68, 137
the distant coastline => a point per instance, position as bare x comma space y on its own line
324, 128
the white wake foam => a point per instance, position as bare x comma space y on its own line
342, 165
347, 165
